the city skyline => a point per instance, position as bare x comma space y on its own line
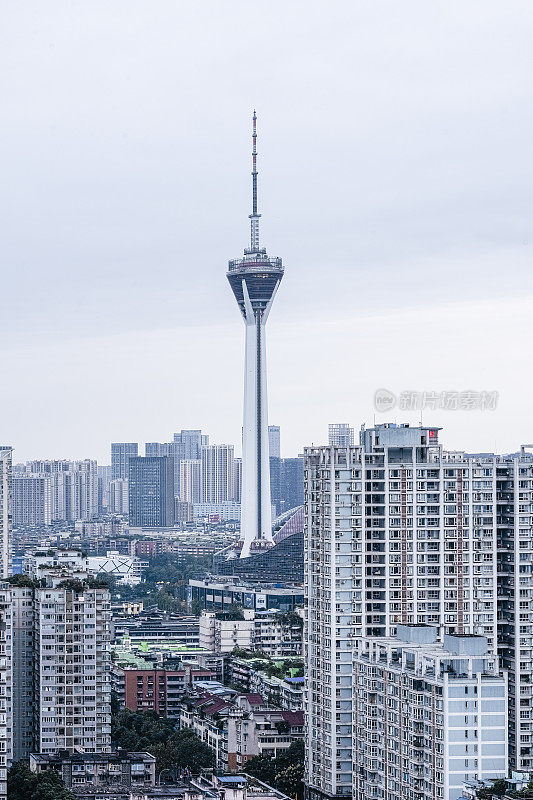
193, 601
415, 230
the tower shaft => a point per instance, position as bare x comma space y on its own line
256, 516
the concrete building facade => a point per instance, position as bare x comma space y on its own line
427, 716
121, 452
6, 461
6, 680
401, 532
32, 500
151, 491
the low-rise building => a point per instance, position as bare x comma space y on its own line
274, 633
280, 682
124, 568
156, 628
216, 594
93, 770
224, 631
240, 728
160, 690
253, 731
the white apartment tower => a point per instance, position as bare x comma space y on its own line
427, 716
118, 496
72, 668
61, 659
514, 519
398, 532
217, 473
190, 471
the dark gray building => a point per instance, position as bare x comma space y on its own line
151, 491
291, 483
121, 452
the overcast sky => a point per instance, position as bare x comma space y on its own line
395, 181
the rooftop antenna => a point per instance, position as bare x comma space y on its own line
254, 216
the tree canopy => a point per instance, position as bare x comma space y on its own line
172, 749
285, 773
22, 784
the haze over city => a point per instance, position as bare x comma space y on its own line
393, 182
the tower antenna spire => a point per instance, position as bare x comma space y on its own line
254, 216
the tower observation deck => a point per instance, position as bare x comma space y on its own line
255, 279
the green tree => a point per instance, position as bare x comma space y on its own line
139, 731
184, 750
22, 784
196, 608
284, 773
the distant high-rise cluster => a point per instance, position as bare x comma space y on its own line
206, 480
46, 491
418, 570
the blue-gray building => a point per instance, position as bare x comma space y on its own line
121, 452
151, 491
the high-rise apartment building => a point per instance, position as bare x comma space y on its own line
238, 480
506, 497
189, 443
291, 483
61, 660
24, 707
72, 678
191, 480
6, 462
274, 441
218, 473
121, 452
68, 492
427, 715
6, 717
118, 497
187, 446
401, 532
151, 491
32, 500
341, 435
105, 475
254, 279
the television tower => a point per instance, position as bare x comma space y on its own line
254, 279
